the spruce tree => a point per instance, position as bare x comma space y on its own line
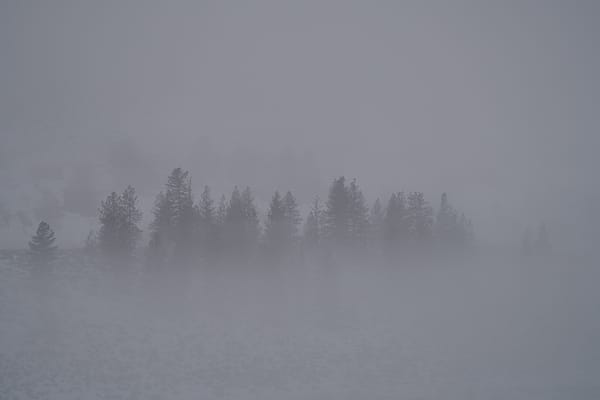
251, 222
292, 216
358, 218
42, 250
395, 223
336, 226
376, 218
131, 216
208, 223
419, 218
313, 225
174, 224
241, 227
275, 226
447, 227
109, 235
119, 230
180, 200
222, 210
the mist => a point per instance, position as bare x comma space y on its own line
266, 199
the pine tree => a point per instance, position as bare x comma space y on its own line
313, 225
119, 219
109, 240
376, 219
160, 228
222, 210
208, 223
358, 218
241, 226
419, 218
173, 229
41, 247
336, 226
131, 216
292, 216
251, 222
180, 201
447, 226
275, 226
395, 223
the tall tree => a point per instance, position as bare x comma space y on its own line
376, 218
119, 220
447, 228
395, 222
358, 218
336, 226
251, 222
222, 210
180, 200
275, 226
174, 224
208, 223
41, 247
292, 215
109, 235
241, 225
313, 225
131, 216
419, 218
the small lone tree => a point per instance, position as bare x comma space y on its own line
41, 247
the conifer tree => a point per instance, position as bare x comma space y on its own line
358, 218
109, 240
41, 247
208, 224
131, 216
336, 226
275, 226
376, 219
447, 226
222, 210
241, 226
419, 218
119, 219
180, 201
292, 216
395, 221
313, 225
251, 222
174, 224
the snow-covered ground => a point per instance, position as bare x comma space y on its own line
481, 329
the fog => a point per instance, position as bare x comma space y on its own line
462, 328
494, 103
292, 200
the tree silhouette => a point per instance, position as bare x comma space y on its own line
41, 247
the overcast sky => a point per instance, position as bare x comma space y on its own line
497, 103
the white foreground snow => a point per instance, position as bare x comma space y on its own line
496, 330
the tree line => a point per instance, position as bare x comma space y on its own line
184, 231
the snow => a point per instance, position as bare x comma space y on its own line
482, 330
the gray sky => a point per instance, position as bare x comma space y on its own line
495, 102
